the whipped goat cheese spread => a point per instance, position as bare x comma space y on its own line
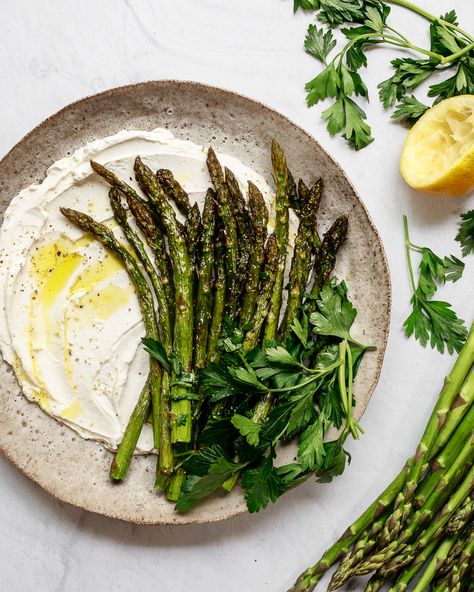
70, 324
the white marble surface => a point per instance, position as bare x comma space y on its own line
52, 53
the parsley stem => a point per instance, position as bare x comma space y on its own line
453, 57
397, 33
407, 248
305, 382
431, 17
342, 378
391, 40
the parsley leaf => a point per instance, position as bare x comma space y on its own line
305, 4
409, 73
311, 446
282, 357
301, 329
319, 43
433, 321
324, 86
337, 12
465, 235
155, 349
247, 428
262, 485
409, 109
461, 83
196, 488
434, 269
334, 461
302, 412
347, 117
336, 314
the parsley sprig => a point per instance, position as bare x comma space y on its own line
465, 235
433, 321
450, 49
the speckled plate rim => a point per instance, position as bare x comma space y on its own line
193, 519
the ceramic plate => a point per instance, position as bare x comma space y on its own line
75, 470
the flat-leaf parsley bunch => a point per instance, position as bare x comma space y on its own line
451, 49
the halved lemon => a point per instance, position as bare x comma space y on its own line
438, 155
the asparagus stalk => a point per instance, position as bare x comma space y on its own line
259, 221
444, 571
302, 256
309, 579
193, 229
145, 299
326, 259
155, 239
381, 559
217, 316
312, 196
446, 458
161, 429
409, 574
462, 517
174, 190
272, 256
183, 327
203, 296
145, 221
242, 223
124, 454
281, 232
433, 530
229, 230
459, 407
375, 583
120, 215
439, 557
453, 383
463, 565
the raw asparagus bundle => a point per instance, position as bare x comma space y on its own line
431, 499
233, 368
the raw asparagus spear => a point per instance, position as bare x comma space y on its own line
465, 562
414, 568
308, 580
183, 327
145, 299
439, 557
403, 552
448, 395
281, 232
462, 517
259, 221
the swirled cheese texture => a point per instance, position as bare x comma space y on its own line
70, 324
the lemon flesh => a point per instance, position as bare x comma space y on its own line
438, 155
